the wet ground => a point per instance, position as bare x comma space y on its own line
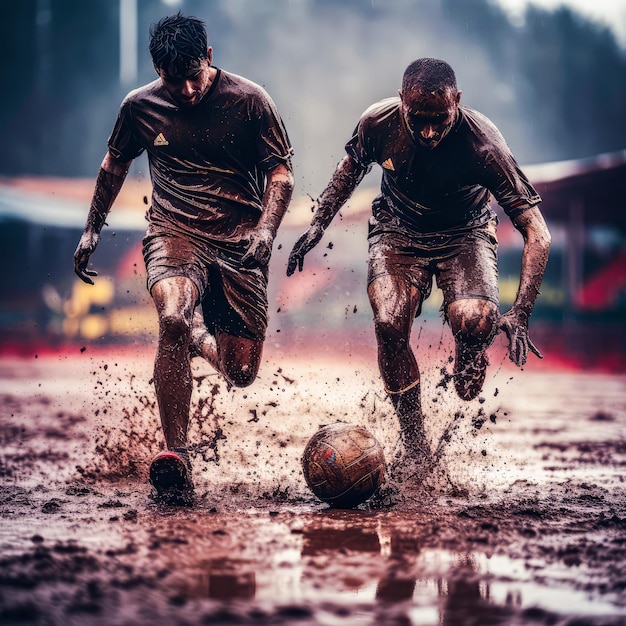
523, 521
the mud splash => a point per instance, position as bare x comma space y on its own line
523, 521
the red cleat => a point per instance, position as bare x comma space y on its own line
170, 477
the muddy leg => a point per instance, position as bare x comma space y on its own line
394, 302
408, 406
237, 359
202, 343
174, 299
474, 324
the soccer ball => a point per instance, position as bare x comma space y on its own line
343, 465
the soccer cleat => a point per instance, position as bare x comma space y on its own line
170, 477
470, 369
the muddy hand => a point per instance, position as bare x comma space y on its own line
259, 250
515, 325
306, 242
84, 250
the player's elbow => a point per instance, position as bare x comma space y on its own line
353, 169
284, 175
290, 180
115, 166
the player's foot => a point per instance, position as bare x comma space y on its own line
470, 369
416, 445
170, 477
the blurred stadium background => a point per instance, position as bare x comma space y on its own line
554, 83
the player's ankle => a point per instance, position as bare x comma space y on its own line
183, 453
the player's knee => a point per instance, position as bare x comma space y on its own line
473, 321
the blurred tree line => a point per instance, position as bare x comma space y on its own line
555, 84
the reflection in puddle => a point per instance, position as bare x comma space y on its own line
227, 579
219, 579
316, 541
360, 561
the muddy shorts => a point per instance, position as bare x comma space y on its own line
465, 265
234, 298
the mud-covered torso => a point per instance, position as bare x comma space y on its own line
208, 162
444, 189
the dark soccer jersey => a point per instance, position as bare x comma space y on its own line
208, 162
443, 189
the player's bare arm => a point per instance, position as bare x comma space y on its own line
111, 177
343, 182
533, 228
276, 199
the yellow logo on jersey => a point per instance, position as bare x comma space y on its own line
388, 165
161, 141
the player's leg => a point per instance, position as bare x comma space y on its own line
473, 323
170, 471
230, 323
235, 358
177, 260
395, 300
238, 358
469, 281
174, 299
202, 342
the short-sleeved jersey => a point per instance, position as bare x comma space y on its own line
442, 189
208, 162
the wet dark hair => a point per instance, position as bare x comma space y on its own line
177, 43
430, 75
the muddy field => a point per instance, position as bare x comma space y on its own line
523, 521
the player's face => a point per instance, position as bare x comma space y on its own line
189, 89
429, 117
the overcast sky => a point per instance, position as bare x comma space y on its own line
611, 13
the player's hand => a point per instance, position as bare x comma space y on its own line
259, 249
84, 250
515, 325
306, 242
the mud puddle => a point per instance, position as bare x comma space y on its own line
522, 522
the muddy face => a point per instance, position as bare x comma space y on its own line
188, 89
429, 117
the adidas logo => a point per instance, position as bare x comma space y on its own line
387, 164
161, 141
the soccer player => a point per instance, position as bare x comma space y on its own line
441, 161
220, 165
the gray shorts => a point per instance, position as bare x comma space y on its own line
233, 297
465, 265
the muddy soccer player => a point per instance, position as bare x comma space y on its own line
220, 166
441, 163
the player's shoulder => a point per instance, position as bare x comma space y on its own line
241, 86
484, 131
381, 110
144, 93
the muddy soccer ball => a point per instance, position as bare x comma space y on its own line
343, 465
